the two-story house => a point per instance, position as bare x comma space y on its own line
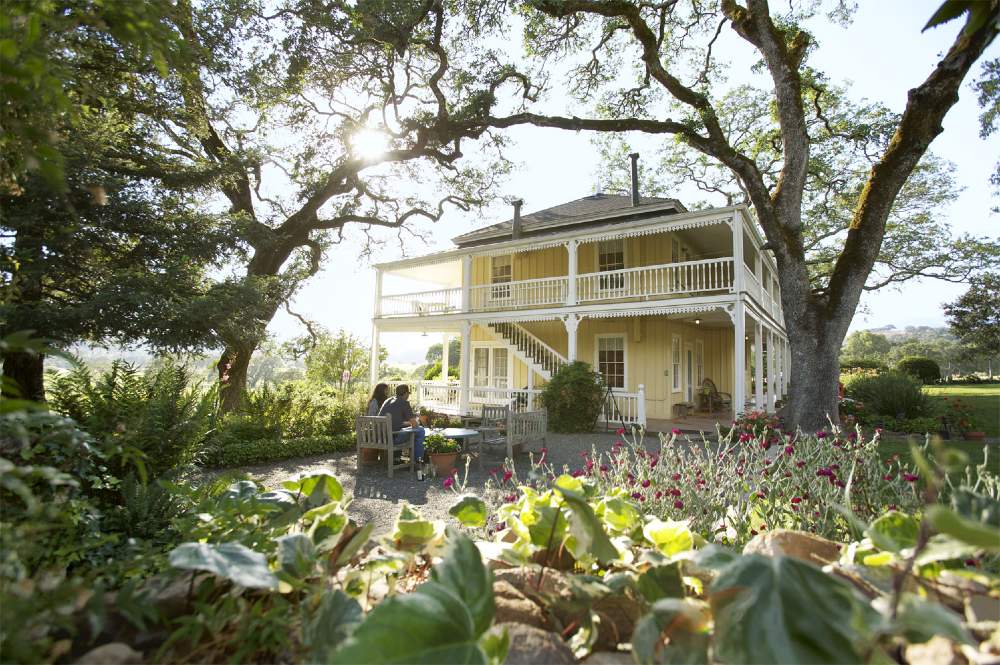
655, 297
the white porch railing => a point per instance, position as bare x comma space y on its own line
660, 280
422, 303
751, 283
627, 407
522, 293
543, 358
517, 398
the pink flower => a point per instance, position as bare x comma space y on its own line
744, 438
676, 476
800, 464
674, 492
620, 431
821, 434
796, 499
789, 450
578, 473
645, 482
658, 495
679, 505
675, 432
653, 461
910, 477
507, 475
448, 482
887, 476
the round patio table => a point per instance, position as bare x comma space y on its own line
460, 434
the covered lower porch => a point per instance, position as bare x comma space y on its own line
686, 367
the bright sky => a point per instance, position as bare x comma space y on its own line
880, 56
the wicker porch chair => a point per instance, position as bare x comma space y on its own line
713, 398
376, 432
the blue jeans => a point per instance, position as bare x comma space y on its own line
418, 440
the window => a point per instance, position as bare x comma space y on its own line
500, 277
699, 361
611, 257
499, 373
611, 360
481, 367
675, 362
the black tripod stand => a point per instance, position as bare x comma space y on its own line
610, 395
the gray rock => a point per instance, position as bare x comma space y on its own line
798, 544
113, 653
514, 607
533, 646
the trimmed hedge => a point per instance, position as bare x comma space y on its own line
244, 452
854, 364
924, 369
893, 394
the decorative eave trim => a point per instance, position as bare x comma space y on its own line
656, 311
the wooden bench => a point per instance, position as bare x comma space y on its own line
376, 432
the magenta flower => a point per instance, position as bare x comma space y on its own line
789, 450
676, 476
679, 505
796, 499
507, 475
675, 432
645, 482
658, 495
620, 431
910, 477
821, 434
887, 476
674, 492
448, 482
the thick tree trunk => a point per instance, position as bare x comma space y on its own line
26, 373
815, 372
233, 366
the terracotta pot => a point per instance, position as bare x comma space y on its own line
370, 455
444, 462
975, 436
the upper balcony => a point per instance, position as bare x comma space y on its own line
685, 256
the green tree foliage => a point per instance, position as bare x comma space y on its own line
924, 369
975, 316
454, 353
338, 359
988, 87
866, 345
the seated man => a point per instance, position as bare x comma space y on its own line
398, 408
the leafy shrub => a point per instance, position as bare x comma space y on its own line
891, 394
574, 398
161, 414
848, 365
755, 423
293, 409
925, 369
433, 371
244, 452
438, 443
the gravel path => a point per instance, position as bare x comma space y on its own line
377, 497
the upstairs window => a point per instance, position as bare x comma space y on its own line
500, 277
611, 257
611, 360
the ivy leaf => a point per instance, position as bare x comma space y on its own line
979, 534
296, 554
495, 645
894, 531
942, 547
244, 490
661, 582
412, 531
714, 557
430, 625
462, 570
353, 545
320, 488
586, 528
470, 511
327, 620
670, 537
685, 622
233, 561
782, 610
921, 619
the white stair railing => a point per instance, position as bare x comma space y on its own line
541, 357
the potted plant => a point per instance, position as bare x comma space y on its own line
443, 453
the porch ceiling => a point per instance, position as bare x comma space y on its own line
446, 273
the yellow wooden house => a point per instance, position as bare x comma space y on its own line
655, 297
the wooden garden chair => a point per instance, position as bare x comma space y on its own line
376, 432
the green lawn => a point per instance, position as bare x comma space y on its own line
984, 400
890, 446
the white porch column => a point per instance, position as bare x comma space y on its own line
737, 227
758, 365
739, 357
466, 284
531, 386
373, 364
572, 322
772, 375
444, 356
463, 373
571, 247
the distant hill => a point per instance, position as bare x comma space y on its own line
915, 333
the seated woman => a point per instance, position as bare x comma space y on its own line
379, 396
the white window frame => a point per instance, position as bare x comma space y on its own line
611, 282
490, 373
497, 289
676, 360
597, 356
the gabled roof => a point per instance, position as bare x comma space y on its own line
593, 209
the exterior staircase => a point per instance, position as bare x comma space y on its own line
536, 354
